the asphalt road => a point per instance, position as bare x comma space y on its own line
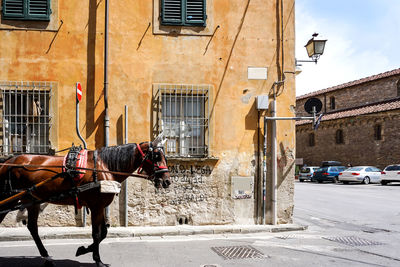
349, 225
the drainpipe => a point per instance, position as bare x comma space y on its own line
274, 163
264, 195
126, 180
106, 117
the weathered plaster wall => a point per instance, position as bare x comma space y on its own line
239, 34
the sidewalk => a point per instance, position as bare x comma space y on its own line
22, 233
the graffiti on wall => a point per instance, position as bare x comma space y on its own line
189, 183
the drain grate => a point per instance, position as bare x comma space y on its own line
353, 241
238, 252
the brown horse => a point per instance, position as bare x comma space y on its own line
112, 163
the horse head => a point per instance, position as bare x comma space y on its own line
154, 162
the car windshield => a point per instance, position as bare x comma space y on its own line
393, 168
354, 169
323, 169
305, 170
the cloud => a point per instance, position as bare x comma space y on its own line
354, 50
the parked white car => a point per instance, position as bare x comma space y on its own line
361, 174
307, 173
391, 174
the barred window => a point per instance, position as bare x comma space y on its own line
183, 118
25, 118
339, 137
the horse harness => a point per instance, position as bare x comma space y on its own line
151, 157
70, 171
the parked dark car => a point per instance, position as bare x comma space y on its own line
328, 173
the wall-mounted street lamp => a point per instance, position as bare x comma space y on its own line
315, 48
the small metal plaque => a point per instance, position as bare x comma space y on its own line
242, 187
257, 73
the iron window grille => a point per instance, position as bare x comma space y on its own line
183, 12
25, 118
183, 117
26, 9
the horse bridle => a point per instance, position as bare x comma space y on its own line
151, 158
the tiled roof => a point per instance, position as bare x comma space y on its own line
352, 83
369, 109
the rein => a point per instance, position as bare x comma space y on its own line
81, 168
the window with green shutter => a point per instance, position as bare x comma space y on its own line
183, 12
26, 9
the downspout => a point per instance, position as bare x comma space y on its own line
106, 117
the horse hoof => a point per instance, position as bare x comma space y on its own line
48, 263
100, 264
80, 251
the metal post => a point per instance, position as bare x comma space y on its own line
106, 117
126, 181
264, 188
84, 146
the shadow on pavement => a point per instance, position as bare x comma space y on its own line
39, 261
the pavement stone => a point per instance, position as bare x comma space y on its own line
22, 233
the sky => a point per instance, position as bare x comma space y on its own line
363, 40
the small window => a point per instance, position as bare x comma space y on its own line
398, 88
378, 132
26, 9
311, 139
332, 102
183, 117
183, 12
339, 137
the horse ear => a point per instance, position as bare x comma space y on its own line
160, 140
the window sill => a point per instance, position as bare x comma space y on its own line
188, 159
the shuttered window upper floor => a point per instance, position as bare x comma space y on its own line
183, 12
26, 10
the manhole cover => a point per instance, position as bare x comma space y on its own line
353, 241
238, 252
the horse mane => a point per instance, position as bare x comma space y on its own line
118, 158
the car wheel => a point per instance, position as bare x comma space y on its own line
366, 180
301, 180
384, 182
320, 181
346, 182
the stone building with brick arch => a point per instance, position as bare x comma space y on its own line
182, 67
360, 126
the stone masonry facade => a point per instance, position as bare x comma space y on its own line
363, 129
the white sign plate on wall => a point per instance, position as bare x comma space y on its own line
256, 73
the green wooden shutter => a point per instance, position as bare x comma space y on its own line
38, 9
195, 12
13, 9
171, 12
26, 9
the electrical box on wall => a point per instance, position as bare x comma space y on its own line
262, 102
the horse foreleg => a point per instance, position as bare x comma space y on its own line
33, 214
99, 232
83, 250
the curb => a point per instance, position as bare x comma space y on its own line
22, 233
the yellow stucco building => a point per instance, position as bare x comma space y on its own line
189, 68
